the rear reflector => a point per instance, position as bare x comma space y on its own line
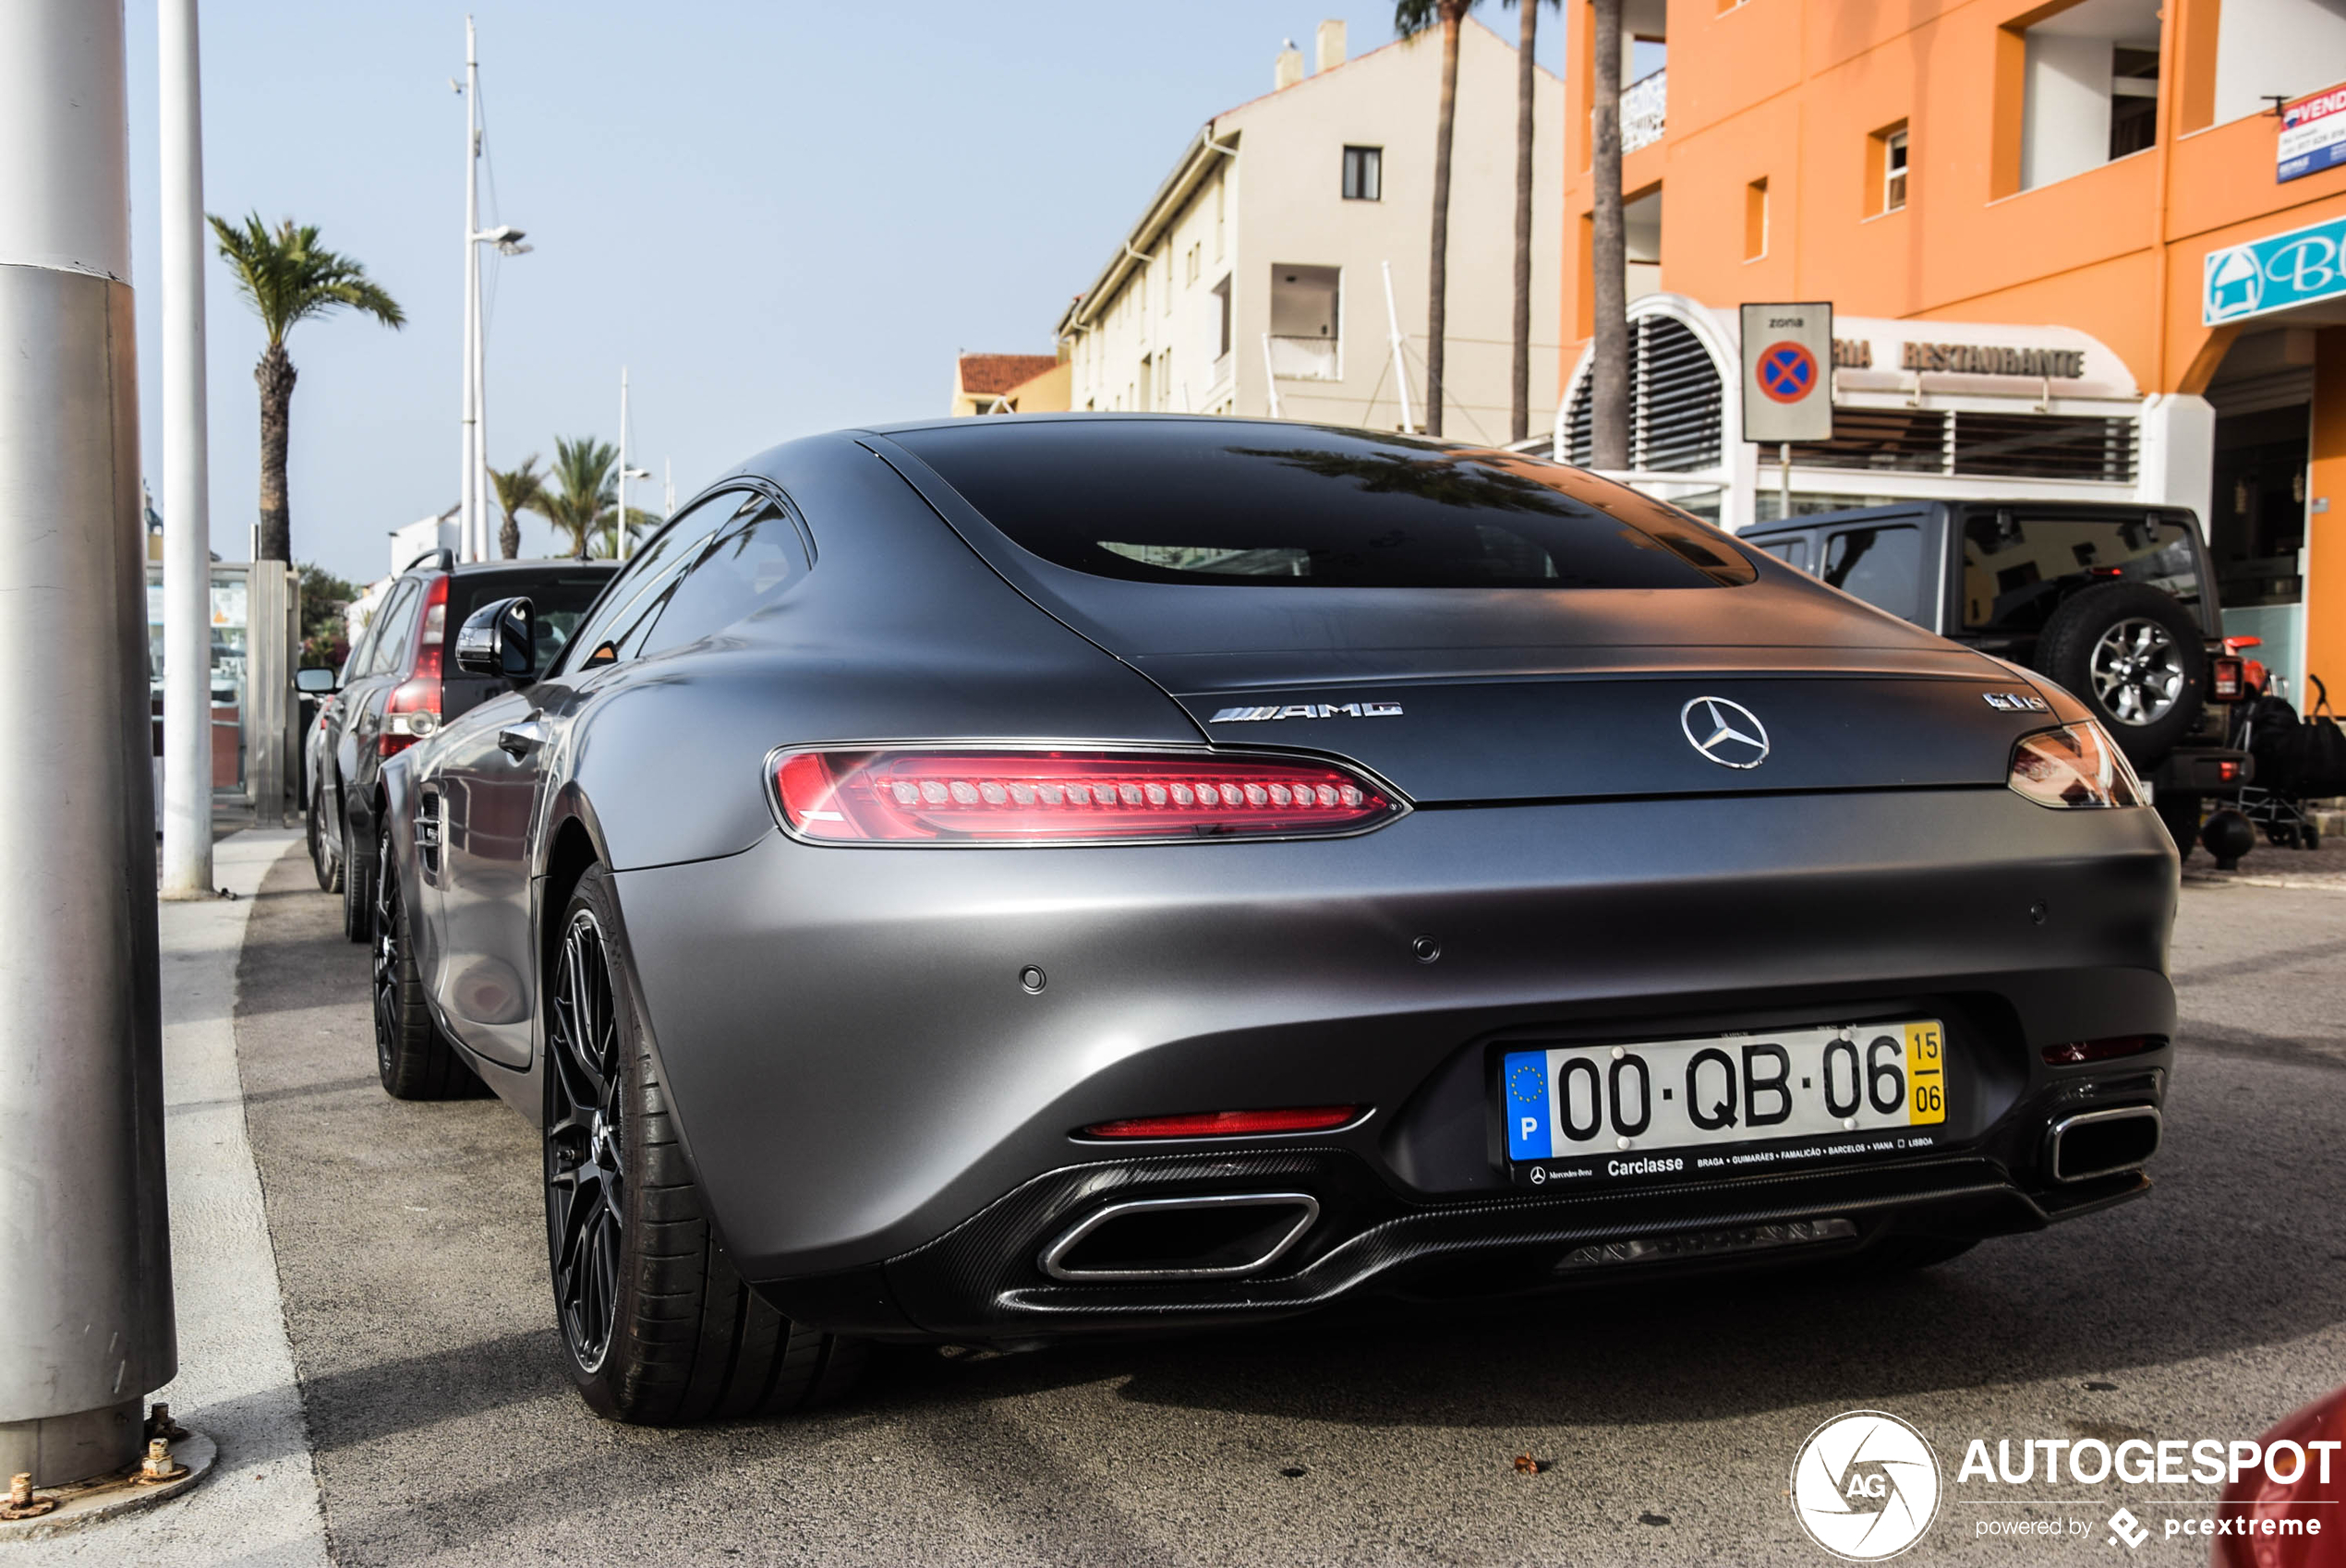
1227, 1124
1044, 797
2225, 684
2077, 1051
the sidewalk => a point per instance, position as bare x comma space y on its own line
259, 1506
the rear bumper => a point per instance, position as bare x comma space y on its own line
880, 1114
2202, 770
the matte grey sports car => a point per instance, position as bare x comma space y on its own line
1007, 878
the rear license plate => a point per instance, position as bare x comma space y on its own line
1734, 1104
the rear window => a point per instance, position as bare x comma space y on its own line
2017, 568
1880, 565
559, 600
1249, 505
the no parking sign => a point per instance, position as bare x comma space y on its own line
1787, 372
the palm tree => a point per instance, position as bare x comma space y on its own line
584, 469
1609, 374
1526, 80
289, 278
1409, 19
518, 490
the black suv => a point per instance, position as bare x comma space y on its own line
396, 687
2115, 604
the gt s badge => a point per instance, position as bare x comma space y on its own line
1307, 710
2015, 702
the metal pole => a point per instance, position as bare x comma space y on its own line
1400, 361
619, 535
86, 1286
1270, 376
187, 483
468, 498
1784, 481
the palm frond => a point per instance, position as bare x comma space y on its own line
288, 277
1411, 17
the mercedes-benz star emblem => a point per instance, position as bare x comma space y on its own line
1728, 733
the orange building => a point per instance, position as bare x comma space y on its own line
2065, 253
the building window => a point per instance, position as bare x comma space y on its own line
1221, 189
1893, 170
1194, 249
1363, 174
2134, 100
1755, 219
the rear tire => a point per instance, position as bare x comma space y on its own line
2180, 813
2134, 656
357, 889
658, 1328
414, 1060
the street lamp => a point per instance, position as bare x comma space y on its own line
508, 241
473, 499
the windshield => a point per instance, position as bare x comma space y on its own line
2018, 568
1270, 506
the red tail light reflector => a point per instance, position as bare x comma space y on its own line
1227, 1124
2224, 680
413, 709
981, 796
2077, 1051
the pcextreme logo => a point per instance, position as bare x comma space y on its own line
1865, 1486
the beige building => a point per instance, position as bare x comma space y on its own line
1255, 281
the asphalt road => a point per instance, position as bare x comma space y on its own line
411, 1258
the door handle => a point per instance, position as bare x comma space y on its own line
517, 740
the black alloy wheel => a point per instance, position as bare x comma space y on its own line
414, 1060
322, 858
586, 1164
658, 1326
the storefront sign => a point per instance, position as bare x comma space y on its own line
1993, 359
2273, 273
1787, 372
2313, 134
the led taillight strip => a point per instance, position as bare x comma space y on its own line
1043, 797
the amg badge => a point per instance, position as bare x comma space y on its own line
1307, 710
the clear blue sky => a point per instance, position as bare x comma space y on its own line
781, 217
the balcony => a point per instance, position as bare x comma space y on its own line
1644, 111
1306, 359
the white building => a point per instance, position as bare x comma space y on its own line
1255, 281
1959, 410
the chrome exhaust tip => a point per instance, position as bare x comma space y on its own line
1219, 1236
2100, 1143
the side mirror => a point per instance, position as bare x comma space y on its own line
316, 681
500, 640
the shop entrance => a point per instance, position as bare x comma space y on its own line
2256, 526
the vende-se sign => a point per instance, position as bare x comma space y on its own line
1787, 372
2313, 134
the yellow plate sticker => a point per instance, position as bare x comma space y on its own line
1925, 1074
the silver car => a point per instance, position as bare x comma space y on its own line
996, 880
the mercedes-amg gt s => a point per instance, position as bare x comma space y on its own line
1009, 879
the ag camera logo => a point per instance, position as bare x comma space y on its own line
1865, 1486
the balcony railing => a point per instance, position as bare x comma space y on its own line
1306, 359
1644, 109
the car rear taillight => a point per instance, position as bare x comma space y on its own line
413, 710
983, 796
2077, 1051
2073, 766
2225, 684
1227, 1124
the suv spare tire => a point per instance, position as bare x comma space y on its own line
2134, 654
